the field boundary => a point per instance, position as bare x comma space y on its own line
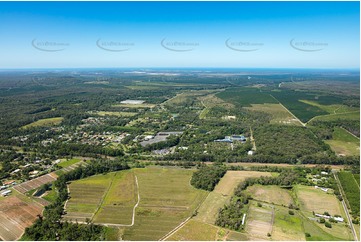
303, 124
350, 133
345, 207
181, 225
104, 196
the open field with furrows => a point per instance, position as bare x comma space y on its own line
208, 211
117, 206
279, 114
270, 194
35, 183
118, 114
344, 143
245, 96
86, 195
315, 200
166, 200
16, 213
259, 221
44, 122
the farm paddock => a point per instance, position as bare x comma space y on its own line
16, 213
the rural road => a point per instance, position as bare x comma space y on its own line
345, 208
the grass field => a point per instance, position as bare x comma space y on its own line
118, 114
357, 178
333, 108
286, 226
166, 200
279, 114
51, 195
208, 211
339, 116
67, 163
270, 194
44, 122
313, 199
343, 143
195, 231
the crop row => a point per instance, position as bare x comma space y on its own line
352, 191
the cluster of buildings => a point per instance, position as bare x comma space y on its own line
159, 137
6, 185
338, 219
232, 138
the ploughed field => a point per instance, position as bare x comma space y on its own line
166, 199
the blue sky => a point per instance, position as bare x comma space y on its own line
180, 34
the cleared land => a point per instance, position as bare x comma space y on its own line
259, 221
195, 231
117, 206
166, 200
312, 199
118, 114
67, 163
286, 226
338, 116
333, 108
270, 194
279, 114
343, 143
44, 122
85, 196
142, 105
208, 211
16, 213
35, 183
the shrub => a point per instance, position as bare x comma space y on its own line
307, 235
322, 220
290, 212
328, 225
259, 204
